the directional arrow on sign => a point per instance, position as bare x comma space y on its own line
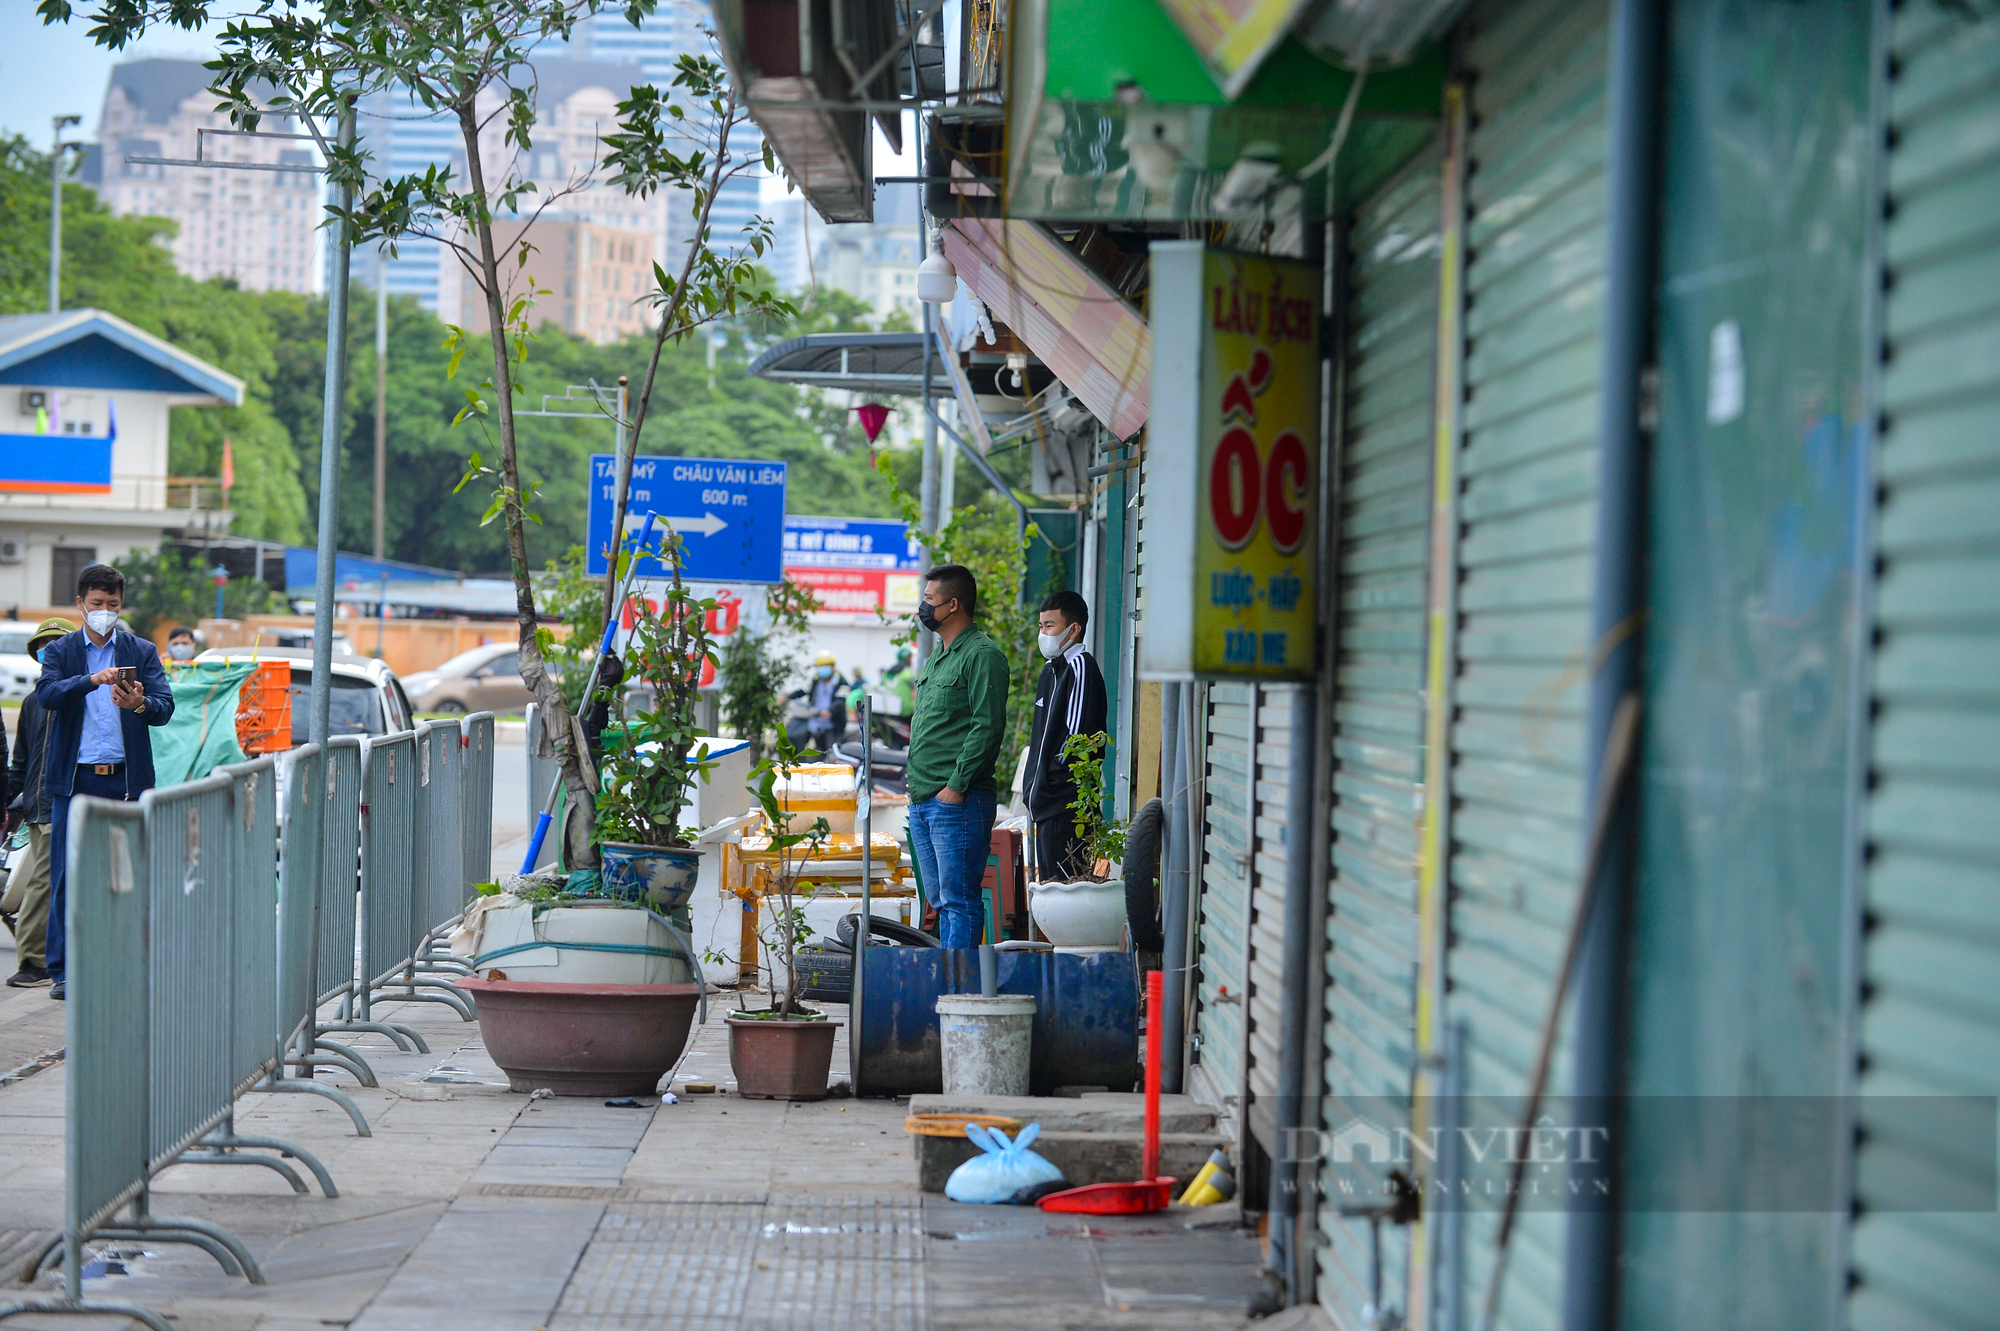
707, 524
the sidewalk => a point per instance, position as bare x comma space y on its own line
474, 1207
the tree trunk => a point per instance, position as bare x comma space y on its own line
534, 670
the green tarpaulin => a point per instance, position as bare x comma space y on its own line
202, 735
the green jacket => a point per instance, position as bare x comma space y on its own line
960, 719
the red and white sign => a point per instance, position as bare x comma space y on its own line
860, 591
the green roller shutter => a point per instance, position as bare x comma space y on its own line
1224, 914
1534, 285
1275, 718
1383, 535
1930, 1022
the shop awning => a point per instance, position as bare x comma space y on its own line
880, 364
1085, 332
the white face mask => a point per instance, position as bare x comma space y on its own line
101, 621
181, 651
1052, 644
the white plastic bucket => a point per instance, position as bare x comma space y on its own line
986, 1043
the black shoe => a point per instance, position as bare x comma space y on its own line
28, 977
58, 994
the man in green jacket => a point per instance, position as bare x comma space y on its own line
954, 739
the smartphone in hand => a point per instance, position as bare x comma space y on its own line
128, 674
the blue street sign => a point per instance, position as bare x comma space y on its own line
850, 543
729, 513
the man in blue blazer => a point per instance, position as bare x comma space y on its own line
97, 718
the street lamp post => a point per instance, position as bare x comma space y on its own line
55, 210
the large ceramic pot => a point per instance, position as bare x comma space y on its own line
780, 1059
1081, 914
587, 942
661, 876
583, 1039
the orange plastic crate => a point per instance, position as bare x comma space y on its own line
264, 709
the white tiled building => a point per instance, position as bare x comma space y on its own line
258, 227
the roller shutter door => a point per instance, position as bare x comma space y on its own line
1273, 722
1383, 543
1930, 1020
1534, 284
1224, 916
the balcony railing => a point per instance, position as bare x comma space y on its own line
136, 494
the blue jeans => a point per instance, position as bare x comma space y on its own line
951, 843
110, 787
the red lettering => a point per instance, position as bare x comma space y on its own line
1288, 476
1235, 483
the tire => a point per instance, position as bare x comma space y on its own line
1142, 872
892, 930
825, 976
449, 707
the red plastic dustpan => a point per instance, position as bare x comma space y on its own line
1151, 1192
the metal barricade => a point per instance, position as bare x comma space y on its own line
105, 1065
395, 870
477, 791
244, 874
312, 812
440, 832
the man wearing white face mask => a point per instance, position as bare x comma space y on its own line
1069, 700
101, 689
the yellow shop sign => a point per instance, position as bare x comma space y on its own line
1232, 466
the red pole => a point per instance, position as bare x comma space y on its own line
1155, 983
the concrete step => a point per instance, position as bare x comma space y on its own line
1095, 1111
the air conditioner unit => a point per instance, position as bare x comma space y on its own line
12, 549
34, 400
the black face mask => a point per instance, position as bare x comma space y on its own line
927, 615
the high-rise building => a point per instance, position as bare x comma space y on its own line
259, 227
875, 262
590, 279
578, 87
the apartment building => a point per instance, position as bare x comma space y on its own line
258, 227
593, 278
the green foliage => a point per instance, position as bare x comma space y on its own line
787, 929
986, 537
645, 792
120, 265
1084, 756
755, 666
172, 587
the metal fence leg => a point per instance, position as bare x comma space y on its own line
223, 1146
341, 1051
402, 1037
180, 1229
132, 1311
306, 1086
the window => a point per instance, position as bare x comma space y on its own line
65, 562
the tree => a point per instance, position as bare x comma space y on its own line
469, 59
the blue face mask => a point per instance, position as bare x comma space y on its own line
41, 653
824, 672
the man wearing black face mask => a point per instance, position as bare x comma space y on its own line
955, 736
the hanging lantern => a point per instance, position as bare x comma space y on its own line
873, 416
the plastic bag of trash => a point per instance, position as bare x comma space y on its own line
1003, 1171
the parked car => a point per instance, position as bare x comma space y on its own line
288, 637
18, 670
485, 679
368, 699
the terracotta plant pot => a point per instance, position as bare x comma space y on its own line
584, 1039
780, 1060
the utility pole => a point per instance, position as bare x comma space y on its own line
329, 456
381, 389
55, 210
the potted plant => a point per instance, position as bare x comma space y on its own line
653, 764
1088, 913
785, 1051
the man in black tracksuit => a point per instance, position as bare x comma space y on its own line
1069, 700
